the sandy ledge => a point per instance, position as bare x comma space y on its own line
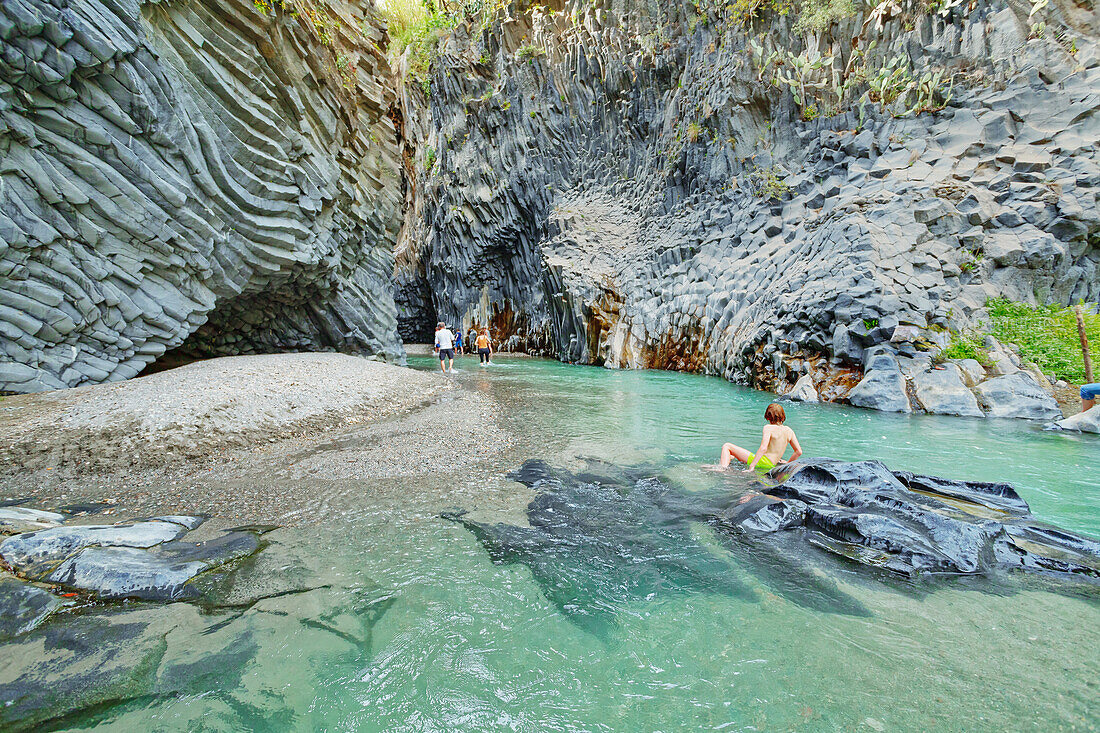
286, 438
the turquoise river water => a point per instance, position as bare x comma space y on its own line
443, 639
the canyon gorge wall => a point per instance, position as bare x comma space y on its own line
759, 195
205, 176
633, 184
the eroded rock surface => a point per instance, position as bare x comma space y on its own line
913, 524
1018, 395
145, 560
194, 173
613, 186
597, 541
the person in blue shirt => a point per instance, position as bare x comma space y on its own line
1089, 394
458, 341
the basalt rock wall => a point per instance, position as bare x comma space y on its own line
217, 176
631, 184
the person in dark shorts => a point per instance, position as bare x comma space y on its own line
445, 347
1089, 395
485, 347
458, 341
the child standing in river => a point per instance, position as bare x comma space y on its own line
773, 445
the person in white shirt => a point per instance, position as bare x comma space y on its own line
445, 347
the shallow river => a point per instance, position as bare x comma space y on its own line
430, 634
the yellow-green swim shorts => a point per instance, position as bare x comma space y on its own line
765, 463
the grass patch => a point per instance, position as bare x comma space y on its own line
1045, 334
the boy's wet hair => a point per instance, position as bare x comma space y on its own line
775, 414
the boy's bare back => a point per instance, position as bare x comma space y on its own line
778, 437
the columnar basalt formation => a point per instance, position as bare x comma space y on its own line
610, 182
221, 177
631, 185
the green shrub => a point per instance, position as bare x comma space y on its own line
417, 25
817, 15
528, 52
967, 346
694, 131
404, 19
1045, 334
768, 183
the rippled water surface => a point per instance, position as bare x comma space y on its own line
453, 641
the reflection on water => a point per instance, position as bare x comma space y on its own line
462, 643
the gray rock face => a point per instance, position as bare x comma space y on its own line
140, 560
803, 391
971, 371
944, 392
194, 175
1084, 422
23, 607
882, 388
1018, 395
609, 200
15, 519
125, 572
35, 554
158, 575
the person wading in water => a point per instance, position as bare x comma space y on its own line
485, 347
445, 346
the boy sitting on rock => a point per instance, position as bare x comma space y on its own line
777, 437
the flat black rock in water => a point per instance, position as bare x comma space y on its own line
912, 524
602, 539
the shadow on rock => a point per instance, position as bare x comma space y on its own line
609, 537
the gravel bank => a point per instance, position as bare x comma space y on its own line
207, 406
286, 438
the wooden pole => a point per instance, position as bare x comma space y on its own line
1084, 343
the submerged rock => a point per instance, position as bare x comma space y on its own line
603, 539
597, 541
23, 607
143, 560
